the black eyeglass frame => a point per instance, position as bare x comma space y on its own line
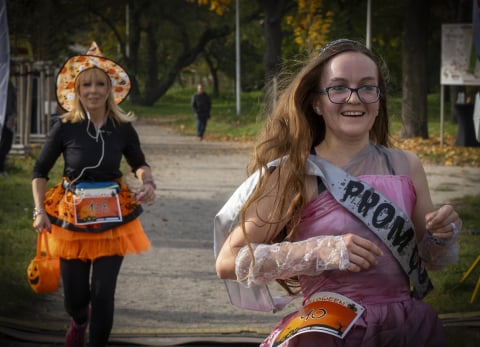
327, 91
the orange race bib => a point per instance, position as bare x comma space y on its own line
96, 204
327, 312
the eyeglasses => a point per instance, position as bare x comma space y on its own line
341, 94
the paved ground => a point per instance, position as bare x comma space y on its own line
170, 295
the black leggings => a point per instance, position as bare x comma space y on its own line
101, 294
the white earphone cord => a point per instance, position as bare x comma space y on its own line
98, 134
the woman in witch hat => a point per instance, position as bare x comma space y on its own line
91, 215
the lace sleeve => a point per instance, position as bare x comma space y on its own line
287, 259
438, 253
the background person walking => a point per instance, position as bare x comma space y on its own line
201, 105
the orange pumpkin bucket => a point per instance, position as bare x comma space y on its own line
43, 272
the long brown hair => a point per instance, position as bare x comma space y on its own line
293, 129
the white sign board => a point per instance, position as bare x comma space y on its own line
460, 65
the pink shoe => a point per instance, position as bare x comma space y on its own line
75, 336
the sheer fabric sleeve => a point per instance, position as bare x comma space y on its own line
288, 259
438, 253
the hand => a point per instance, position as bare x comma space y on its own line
146, 194
41, 223
362, 253
443, 223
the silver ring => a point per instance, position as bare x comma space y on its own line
454, 228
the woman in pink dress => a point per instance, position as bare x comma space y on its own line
292, 228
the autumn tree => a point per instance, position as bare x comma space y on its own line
166, 43
310, 24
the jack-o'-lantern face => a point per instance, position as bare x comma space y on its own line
43, 271
33, 275
44, 275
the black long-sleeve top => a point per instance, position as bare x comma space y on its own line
81, 150
201, 104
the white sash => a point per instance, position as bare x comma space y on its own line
381, 216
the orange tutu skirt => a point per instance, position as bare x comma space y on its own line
89, 242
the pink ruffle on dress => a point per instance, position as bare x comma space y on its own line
392, 318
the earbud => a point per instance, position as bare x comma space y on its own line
317, 110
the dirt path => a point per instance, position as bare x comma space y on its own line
178, 282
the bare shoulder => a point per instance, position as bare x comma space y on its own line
417, 172
414, 161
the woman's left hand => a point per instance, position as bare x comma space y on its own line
443, 223
146, 193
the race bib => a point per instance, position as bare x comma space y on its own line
97, 203
327, 312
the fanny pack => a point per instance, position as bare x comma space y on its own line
96, 202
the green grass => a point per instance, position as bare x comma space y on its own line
17, 238
224, 124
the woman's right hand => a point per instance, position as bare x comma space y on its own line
41, 222
362, 253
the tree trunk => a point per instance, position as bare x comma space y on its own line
272, 29
414, 63
214, 72
151, 81
133, 41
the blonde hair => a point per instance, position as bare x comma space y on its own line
112, 110
292, 130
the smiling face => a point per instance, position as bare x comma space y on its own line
94, 89
353, 119
33, 274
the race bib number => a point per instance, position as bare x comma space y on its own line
96, 205
327, 312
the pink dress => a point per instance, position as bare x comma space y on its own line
392, 317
